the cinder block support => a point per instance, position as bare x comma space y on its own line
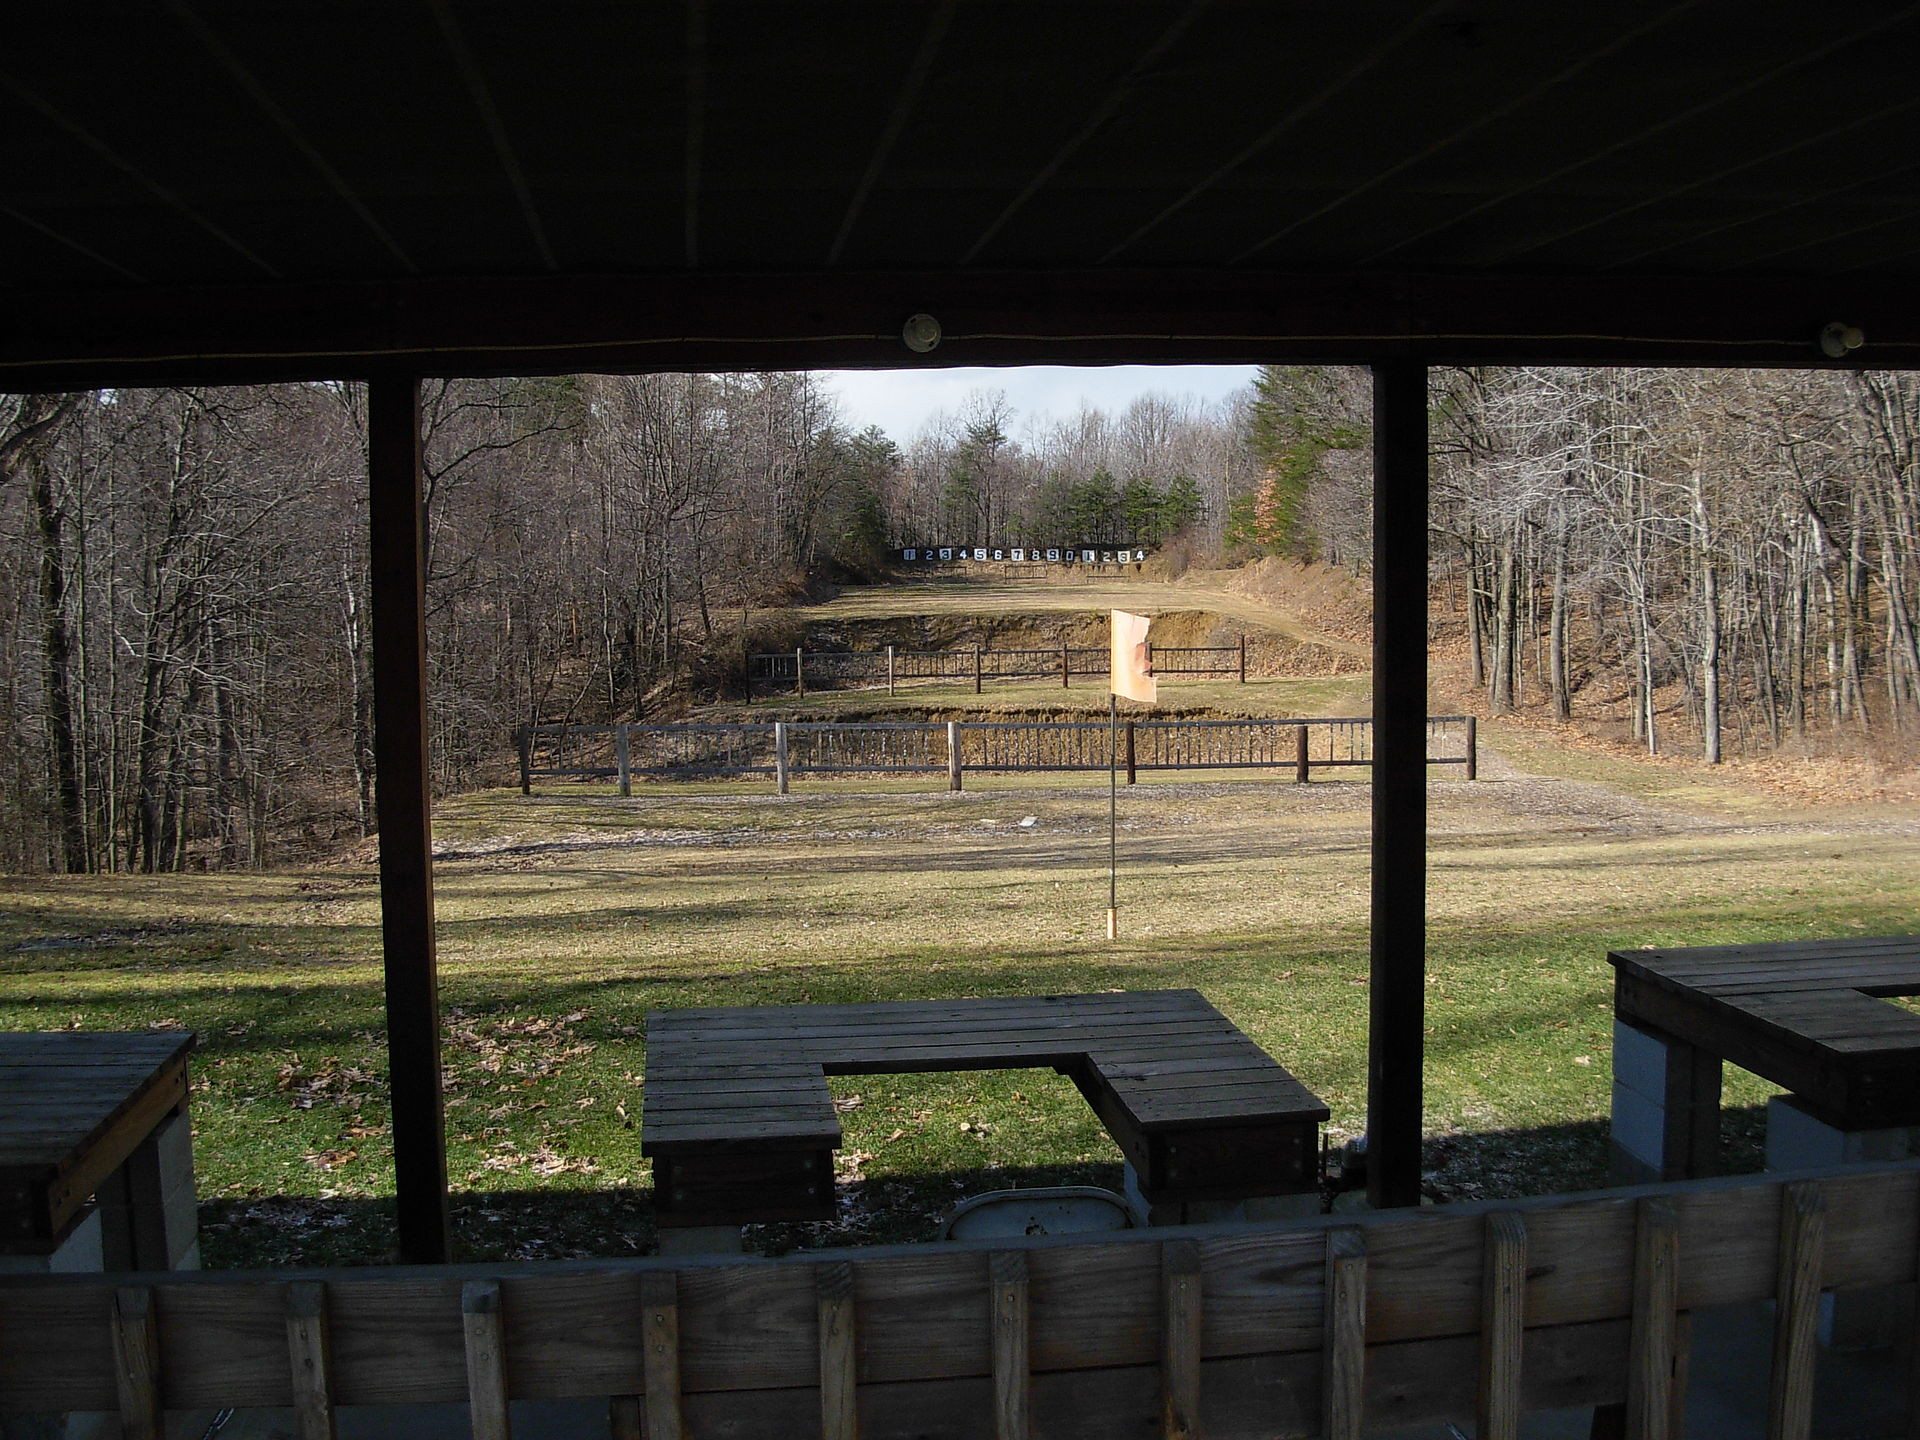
1666, 1107
1797, 1139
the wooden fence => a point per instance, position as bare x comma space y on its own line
795, 670
1455, 1313
784, 749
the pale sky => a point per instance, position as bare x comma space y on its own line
899, 401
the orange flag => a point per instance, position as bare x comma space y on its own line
1132, 674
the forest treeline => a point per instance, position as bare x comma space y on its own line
1724, 561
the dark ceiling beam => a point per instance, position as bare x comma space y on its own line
1904, 219
1641, 136
904, 100
1273, 132
696, 102
1530, 244
481, 94
241, 75
70, 243
53, 340
99, 147
1481, 121
1099, 116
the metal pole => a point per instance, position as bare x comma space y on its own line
953, 755
780, 771
622, 759
1397, 993
396, 514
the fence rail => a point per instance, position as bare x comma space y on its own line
795, 670
784, 749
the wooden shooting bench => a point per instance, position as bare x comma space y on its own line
741, 1128
95, 1116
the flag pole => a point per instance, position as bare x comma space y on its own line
1113, 817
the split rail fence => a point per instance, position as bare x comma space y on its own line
795, 670
1465, 1312
785, 749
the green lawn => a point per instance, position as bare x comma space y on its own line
567, 917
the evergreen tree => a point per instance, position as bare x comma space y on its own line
1141, 520
1294, 424
1092, 506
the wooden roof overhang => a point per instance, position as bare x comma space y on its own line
210, 191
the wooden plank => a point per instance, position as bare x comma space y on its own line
486, 1360
839, 1356
136, 1357
1803, 1221
1656, 1289
1012, 1369
1181, 1290
1344, 1347
773, 1017
307, 1354
1503, 1292
660, 1338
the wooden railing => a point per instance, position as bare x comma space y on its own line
783, 749
1463, 1312
892, 667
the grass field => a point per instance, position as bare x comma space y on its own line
567, 916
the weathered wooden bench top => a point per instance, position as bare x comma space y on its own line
74, 1104
1806, 1014
1159, 1067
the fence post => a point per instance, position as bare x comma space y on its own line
1129, 752
523, 741
1473, 748
621, 760
1299, 754
953, 755
889, 670
800, 672
1066, 667
1243, 659
780, 755
976, 673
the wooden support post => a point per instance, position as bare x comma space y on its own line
1012, 1372
1654, 1336
486, 1360
308, 1354
780, 770
1473, 748
623, 760
523, 739
136, 1363
1130, 764
1300, 772
1066, 667
397, 522
976, 669
1344, 1336
1803, 1228
839, 1410
1503, 1292
660, 1341
890, 670
1243, 659
800, 673
1180, 1349
953, 755
1396, 1034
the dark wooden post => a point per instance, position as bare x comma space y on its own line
953, 755
889, 670
1243, 659
623, 760
1473, 748
523, 739
1066, 667
397, 516
976, 669
1397, 993
1130, 774
1300, 755
800, 673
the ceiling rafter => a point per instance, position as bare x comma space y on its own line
1660, 127
146, 182
1120, 94
482, 96
696, 127
1907, 217
1285, 123
244, 77
73, 245
908, 95
1485, 118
